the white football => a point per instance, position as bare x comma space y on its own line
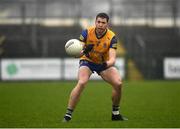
73, 47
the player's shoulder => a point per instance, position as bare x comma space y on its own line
111, 33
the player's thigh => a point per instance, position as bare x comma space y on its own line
112, 76
84, 74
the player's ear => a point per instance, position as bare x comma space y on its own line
95, 21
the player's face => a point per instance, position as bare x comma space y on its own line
101, 25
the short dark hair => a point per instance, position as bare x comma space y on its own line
103, 15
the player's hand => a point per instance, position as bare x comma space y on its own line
88, 48
104, 65
81, 54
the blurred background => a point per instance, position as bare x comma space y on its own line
33, 34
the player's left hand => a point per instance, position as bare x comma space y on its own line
104, 65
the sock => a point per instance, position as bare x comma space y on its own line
115, 110
68, 114
69, 111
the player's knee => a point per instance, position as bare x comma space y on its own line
82, 83
118, 83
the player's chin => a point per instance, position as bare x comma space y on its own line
100, 30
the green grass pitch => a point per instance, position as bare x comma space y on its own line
152, 104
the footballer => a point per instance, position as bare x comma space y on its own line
99, 55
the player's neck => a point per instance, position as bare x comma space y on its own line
100, 35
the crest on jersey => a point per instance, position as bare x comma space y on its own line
104, 45
98, 43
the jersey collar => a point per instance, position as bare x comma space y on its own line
99, 37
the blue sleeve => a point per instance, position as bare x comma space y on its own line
83, 36
113, 43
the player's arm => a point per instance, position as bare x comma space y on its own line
82, 39
112, 57
86, 48
112, 53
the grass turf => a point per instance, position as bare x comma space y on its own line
43, 104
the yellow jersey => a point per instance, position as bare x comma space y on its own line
100, 51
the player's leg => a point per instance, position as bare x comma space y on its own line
112, 76
83, 76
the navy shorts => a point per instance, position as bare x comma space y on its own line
92, 66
